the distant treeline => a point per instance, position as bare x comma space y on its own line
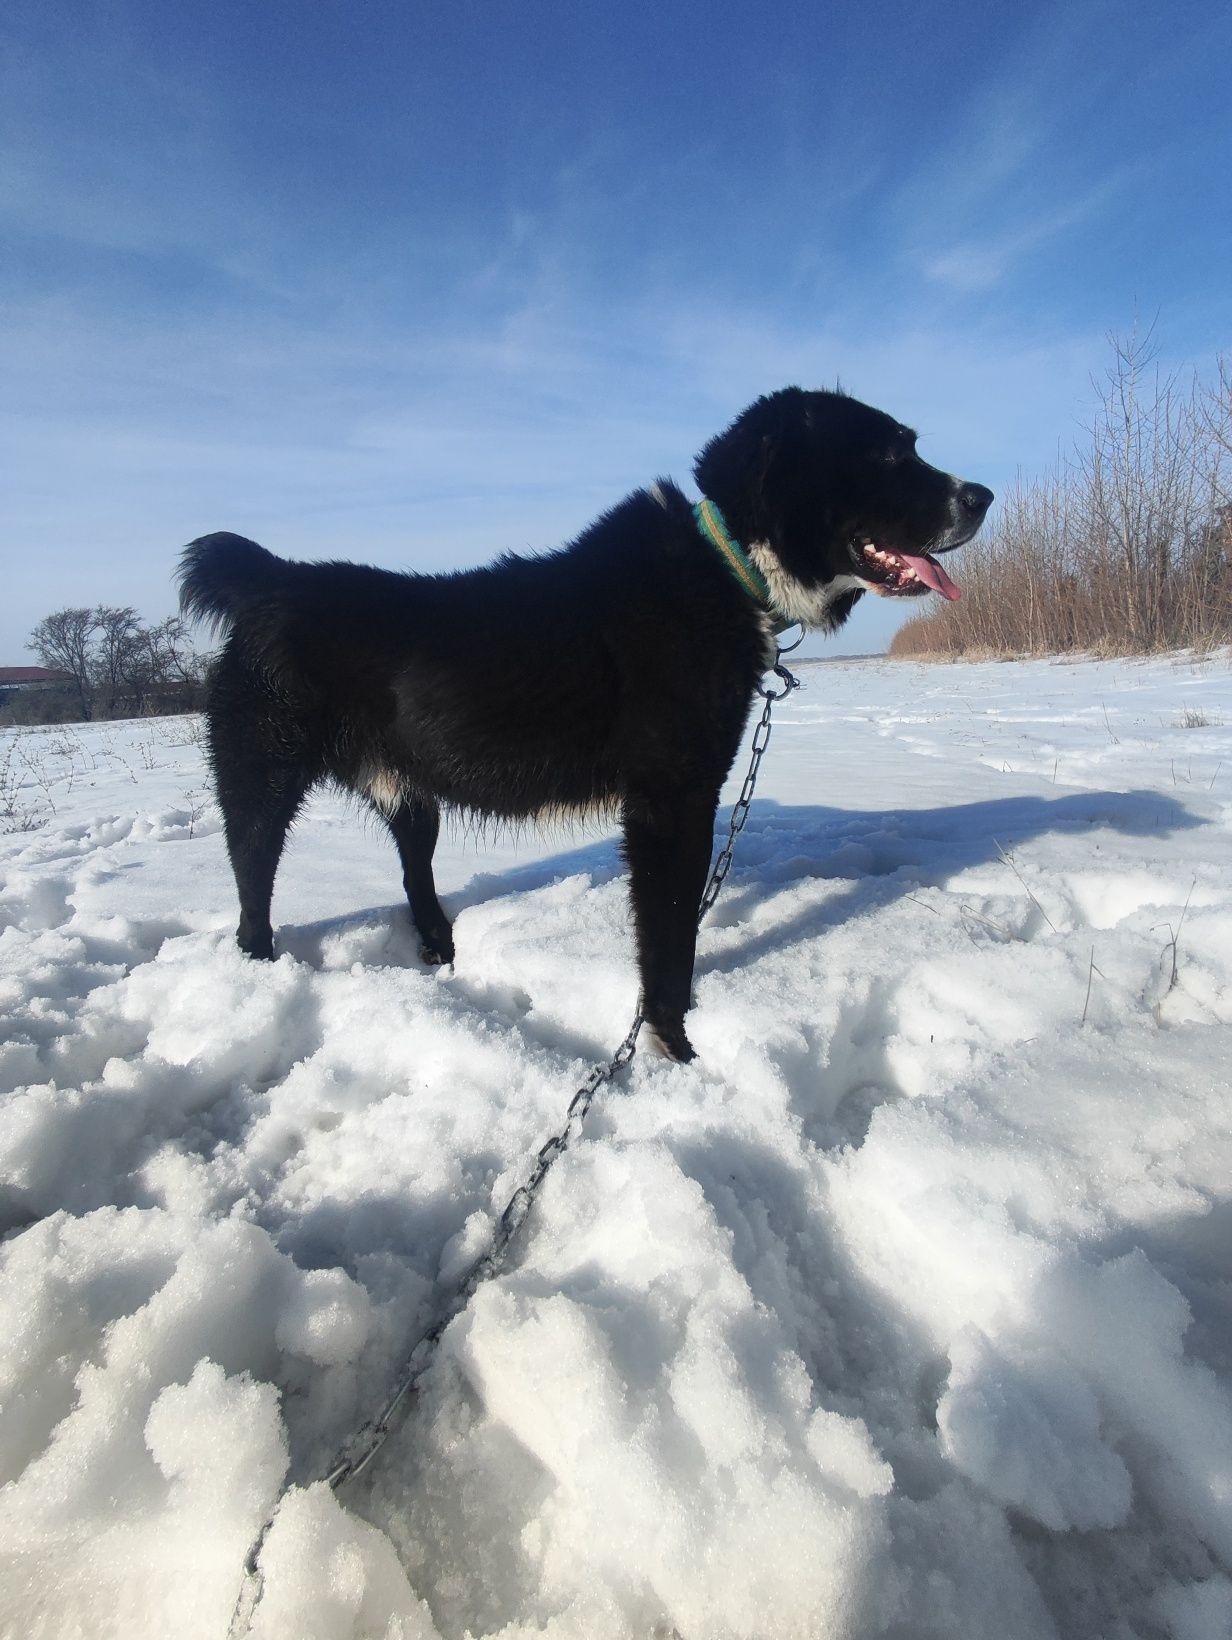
112, 664
1125, 547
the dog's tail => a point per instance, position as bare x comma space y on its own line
224, 577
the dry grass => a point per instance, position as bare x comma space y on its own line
1192, 718
1125, 548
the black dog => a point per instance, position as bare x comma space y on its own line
616, 673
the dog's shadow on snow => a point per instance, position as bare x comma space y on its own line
878, 856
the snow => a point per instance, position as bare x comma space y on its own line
906, 1311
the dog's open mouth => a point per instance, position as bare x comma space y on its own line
903, 574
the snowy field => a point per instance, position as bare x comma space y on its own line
905, 1312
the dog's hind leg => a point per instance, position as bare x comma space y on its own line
668, 846
415, 825
256, 820
262, 769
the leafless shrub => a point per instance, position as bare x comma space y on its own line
1124, 548
1192, 718
24, 771
200, 800
188, 729
14, 814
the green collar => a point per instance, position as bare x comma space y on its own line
713, 525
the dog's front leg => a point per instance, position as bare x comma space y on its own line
668, 839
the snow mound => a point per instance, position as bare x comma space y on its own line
903, 1313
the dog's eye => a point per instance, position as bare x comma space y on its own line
902, 450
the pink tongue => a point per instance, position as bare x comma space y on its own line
932, 576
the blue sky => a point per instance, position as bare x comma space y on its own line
416, 283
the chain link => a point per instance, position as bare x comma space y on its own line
354, 1457
740, 810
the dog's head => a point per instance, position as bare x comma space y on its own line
831, 500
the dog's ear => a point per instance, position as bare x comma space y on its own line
743, 470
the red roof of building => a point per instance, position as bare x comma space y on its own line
32, 674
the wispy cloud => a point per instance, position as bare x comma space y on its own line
981, 264
431, 450
259, 284
1013, 169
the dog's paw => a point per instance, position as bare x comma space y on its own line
671, 1042
436, 956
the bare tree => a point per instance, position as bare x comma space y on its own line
117, 664
62, 642
1125, 546
1145, 487
159, 658
174, 660
1217, 410
116, 650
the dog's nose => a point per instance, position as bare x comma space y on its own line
975, 499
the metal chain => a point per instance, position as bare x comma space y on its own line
358, 1452
740, 810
